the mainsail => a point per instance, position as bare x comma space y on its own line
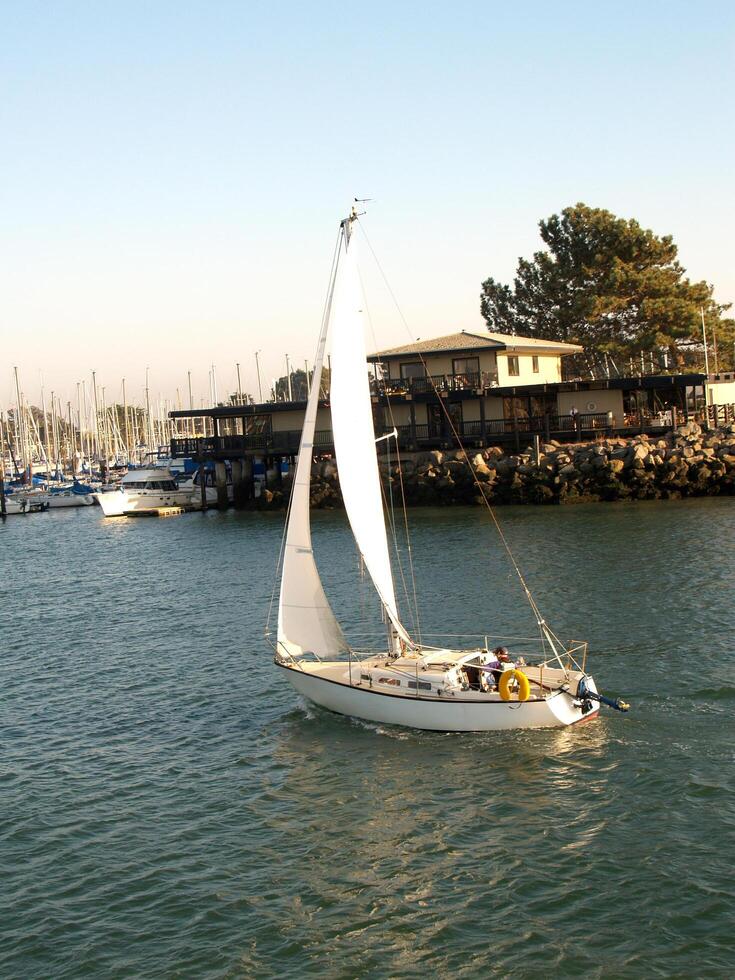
353, 431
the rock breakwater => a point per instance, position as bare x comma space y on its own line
687, 462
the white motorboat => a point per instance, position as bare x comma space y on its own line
146, 489
404, 681
191, 483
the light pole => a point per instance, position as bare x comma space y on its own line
239, 386
706, 359
288, 377
257, 368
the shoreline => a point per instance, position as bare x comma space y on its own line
686, 462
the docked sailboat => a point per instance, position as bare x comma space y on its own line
404, 681
21, 503
71, 495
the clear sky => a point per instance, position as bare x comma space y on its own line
172, 173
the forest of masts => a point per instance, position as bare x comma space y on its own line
73, 436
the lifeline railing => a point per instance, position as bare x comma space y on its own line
572, 657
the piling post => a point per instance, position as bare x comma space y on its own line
247, 477
203, 485
238, 483
516, 437
220, 477
3, 508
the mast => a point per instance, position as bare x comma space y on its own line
71, 442
149, 429
20, 439
79, 427
190, 420
126, 423
96, 418
54, 443
46, 446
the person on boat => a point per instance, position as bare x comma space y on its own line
499, 657
487, 681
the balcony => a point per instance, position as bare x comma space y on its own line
435, 382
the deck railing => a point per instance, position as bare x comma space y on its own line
417, 436
720, 415
470, 381
473, 431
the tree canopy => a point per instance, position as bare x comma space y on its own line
612, 286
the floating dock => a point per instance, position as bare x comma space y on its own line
156, 512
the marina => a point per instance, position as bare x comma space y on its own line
367, 492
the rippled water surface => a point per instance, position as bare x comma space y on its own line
168, 808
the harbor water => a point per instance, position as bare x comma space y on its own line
169, 808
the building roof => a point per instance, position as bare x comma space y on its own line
464, 340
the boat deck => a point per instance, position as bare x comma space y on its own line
409, 676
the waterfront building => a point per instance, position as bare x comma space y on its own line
496, 389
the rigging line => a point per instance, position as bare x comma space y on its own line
392, 524
322, 337
395, 534
415, 609
408, 540
392, 517
478, 483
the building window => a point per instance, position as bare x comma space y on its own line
414, 369
255, 425
534, 361
543, 405
466, 366
518, 407
513, 370
455, 414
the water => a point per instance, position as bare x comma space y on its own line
169, 809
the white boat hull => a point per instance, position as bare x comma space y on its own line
118, 503
17, 504
450, 714
70, 499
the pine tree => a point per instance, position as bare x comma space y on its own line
614, 287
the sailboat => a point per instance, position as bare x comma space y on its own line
403, 681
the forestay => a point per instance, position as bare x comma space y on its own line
353, 431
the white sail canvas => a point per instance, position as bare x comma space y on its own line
306, 622
354, 433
